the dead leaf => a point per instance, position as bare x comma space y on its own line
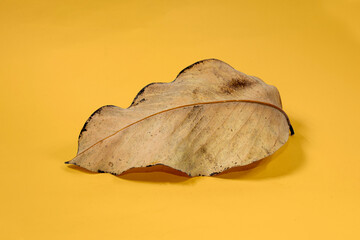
209, 119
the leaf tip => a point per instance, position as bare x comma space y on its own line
291, 130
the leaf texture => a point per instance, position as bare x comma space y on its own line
209, 119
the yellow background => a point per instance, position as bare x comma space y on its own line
61, 60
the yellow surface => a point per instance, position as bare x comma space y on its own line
61, 60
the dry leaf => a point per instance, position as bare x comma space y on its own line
209, 119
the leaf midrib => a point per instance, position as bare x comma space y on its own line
189, 105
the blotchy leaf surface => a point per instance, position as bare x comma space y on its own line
209, 119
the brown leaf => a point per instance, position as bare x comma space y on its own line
209, 119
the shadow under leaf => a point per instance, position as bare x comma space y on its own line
156, 173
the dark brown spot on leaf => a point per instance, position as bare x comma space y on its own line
202, 149
235, 84
239, 83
